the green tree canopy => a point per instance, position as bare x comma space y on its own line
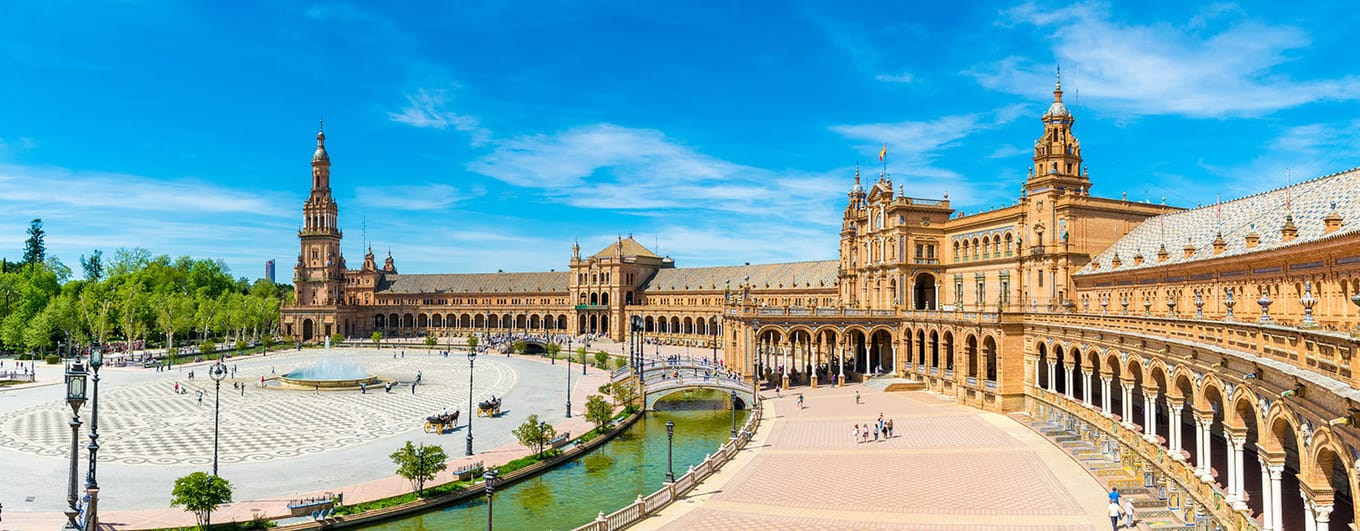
419, 464
598, 411
93, 267
534, 434
35, 251
201, 494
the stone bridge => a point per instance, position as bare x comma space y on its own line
663, 379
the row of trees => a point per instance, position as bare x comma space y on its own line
135, 296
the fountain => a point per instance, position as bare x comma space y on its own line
328, 373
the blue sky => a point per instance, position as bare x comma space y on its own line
489, 135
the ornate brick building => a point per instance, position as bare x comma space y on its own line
1211, 348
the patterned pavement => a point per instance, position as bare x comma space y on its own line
948, 467
148, 424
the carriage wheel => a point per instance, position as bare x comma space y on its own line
429, 425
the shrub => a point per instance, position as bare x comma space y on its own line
53, 359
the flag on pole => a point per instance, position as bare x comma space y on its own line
884, 153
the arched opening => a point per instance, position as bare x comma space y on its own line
882, 353
379, 321
1041, 372
970, 350
1059, 370
594, 299
408, 321
423, 321
923, 292
648, 325
989, 357
604, 299
934, 351
308, 329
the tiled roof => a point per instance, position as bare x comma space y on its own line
551, 282
1264, 214
630, 248
820, 274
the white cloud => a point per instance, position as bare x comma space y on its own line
1006, 151
418, 197
426, 108
1164, 69
904, 77
31, 186
613, 167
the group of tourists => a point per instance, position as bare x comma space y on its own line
1120, 506
869, 431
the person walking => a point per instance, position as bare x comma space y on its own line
1128, 508
857, 396
1114, 511
854, 432
200, 397
877, 427
800, 400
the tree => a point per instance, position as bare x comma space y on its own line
201, 494
337, 338
174, 312
419, 464
581, 354
472, 342
377, 338
94, 266
624, 393
35, 251
553, 350
430, 341
534, 434
599, 411
519, 346
602, 359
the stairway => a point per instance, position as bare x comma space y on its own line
1153, 513
889, 384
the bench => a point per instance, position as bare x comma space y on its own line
468, 472
559, 441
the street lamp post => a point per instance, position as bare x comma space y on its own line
569, 383
92, 486
734, 414
490, 478
583, 358
670, 442
217, 372
75, 397
472, 357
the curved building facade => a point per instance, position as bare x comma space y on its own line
1210, 349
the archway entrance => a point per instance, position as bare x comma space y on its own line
308, 329
923, 293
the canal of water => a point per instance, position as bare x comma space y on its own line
606, 479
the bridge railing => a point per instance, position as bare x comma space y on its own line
668, 493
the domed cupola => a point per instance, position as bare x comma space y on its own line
1057, 154
320, 154
1058, 110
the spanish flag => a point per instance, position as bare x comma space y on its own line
883, 153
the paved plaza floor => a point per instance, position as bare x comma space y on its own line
273, 443
947, 467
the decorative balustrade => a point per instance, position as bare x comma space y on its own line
1322, 352
649, 504
1140, 452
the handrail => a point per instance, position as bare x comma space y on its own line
1208, 496
668, 493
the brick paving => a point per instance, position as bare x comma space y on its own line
948, 467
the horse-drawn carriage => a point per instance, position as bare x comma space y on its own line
489, 408
441, 423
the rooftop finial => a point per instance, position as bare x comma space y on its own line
1057, 87
321, 124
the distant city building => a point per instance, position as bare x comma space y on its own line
1231, 329
269, 270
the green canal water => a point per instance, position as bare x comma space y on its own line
606, 479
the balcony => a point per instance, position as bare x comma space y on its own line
580, 307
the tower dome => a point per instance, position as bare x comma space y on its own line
320, 154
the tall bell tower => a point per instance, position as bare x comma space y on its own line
319, 274
1057, 155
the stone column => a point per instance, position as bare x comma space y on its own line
1309, 517
1127, 402
1173, 426
1150, 416
1267, 497
1324, 515
1238, 445
1205, 425
785, 350
894, 361
1052, 375
1276, 497
1085, 386
1234, 453
816, 362
1105, 394
840, 367
1067, 381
